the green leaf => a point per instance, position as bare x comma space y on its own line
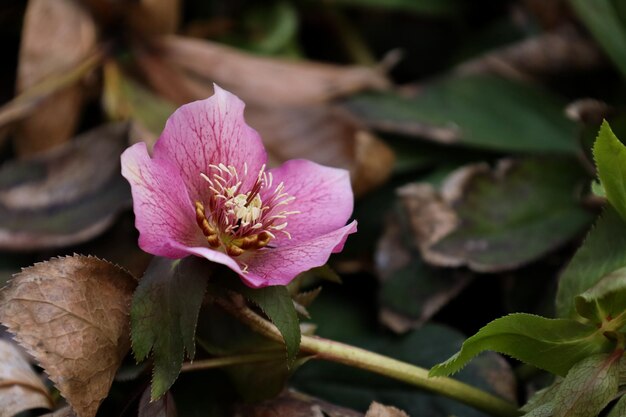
164, 315
603, 252
542, 400
511, 216
554, 345
477, 111
619, 409
277, 304
605, 301
610, 156
588, 386
602, 18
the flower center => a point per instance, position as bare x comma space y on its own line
236, 221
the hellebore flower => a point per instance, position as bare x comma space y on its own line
206, 192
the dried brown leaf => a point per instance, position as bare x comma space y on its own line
293, 404
66, 195
266, 80
379, 410
324, 134
163, 407
155, 17
72, 316
20, 387
70, 171
431, 217
56, 37
551, 53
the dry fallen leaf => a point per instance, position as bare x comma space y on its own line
66, 195
288, 102
324, 134
56, 37
293, 404
379, 410
548, 54
20, 387
431, 218
163, 407
257, 79
72, 315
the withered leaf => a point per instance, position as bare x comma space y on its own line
495, 221
56, 37
66, 195
154, 17
72, 315
261, 79
379, 410
551, 53
20, 387
289, 103
163, 407
326, 135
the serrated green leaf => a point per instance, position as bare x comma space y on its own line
603, 21
619, 409
478, 111
277, 304
164, 316
610, 156
588, 386
605, 301
603, 251
554, 345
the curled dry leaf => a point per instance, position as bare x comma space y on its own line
270, 80
289, 103
72, 315
66, 195
490, 220
56, 37
20, 387
379, 410
548, 54
294, 404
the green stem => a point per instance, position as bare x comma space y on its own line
231, 360
383, 365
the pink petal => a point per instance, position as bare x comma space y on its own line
164, 214
210, 131
323, 197
278, 266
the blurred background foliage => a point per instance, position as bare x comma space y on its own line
466, 126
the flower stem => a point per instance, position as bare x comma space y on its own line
360, 358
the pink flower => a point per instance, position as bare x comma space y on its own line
206, 192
